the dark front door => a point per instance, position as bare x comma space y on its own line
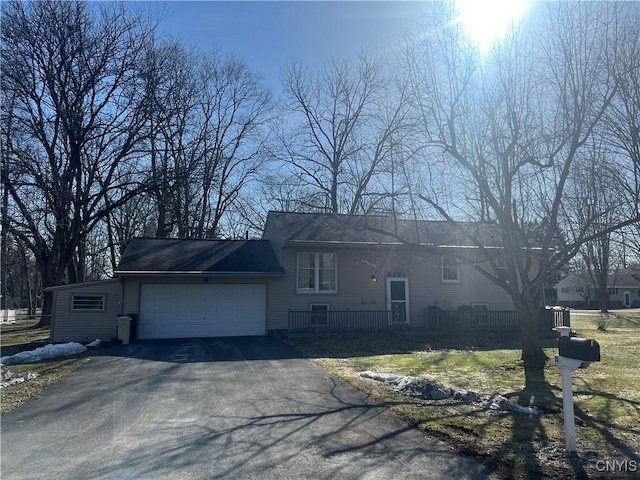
398, 299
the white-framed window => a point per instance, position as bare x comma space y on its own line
317, 272
319, 315
450, 270
94, 303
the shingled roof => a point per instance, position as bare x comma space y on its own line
175, 255
374, 229
628, 277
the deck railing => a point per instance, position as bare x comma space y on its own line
440, 320
463, 320
346, 320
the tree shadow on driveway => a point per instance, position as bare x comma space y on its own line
145, 416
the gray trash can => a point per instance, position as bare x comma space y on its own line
124, 329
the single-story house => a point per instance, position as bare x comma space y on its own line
304, 262
577, 290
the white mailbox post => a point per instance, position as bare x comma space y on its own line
566, 365
573, 353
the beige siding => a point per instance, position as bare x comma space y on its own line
131, 297
357, 291
273, 234
85, 326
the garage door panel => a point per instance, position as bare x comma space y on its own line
201, 310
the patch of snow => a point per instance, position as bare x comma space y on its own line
44, 353
429, 389
498, 402
385, 377
7, 378
95, 343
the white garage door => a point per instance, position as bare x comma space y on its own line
201, 310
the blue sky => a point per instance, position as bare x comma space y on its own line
269, 35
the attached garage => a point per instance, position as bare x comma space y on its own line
187, 288
201, 310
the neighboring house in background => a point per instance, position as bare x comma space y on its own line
575, 291
304, 262
624, 290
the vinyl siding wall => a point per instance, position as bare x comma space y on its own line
357, 291
69, 325
273, 234
131, 299
617, 300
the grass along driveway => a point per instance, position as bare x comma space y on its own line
23, 336
607, 396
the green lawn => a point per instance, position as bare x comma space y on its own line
23, 336
607, 395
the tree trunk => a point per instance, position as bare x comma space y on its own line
48, 280
47, 308
532, 354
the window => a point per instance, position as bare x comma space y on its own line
565, 289
480, 307
450, 270
87, 302
319, 315
317, 273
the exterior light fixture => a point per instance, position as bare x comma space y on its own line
373, 279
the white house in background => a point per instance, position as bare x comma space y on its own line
574, 291
623, 287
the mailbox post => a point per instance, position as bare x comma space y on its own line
572, 353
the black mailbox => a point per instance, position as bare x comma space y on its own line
584, 349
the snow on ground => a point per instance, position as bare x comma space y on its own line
44, 353
429, 389
7, 378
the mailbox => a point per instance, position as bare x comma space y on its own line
584, 349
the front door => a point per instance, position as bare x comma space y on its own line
627, 299
398, 299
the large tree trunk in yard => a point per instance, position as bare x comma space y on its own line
532, 353
47, 308
48, 280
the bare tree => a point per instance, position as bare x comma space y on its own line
207, 144
73, 119
506, 132
598, 201
343, 121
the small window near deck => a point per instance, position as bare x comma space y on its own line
92, 303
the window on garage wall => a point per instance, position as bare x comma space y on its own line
93, 303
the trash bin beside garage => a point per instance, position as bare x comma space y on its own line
124, 328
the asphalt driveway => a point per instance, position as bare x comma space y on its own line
214, 408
